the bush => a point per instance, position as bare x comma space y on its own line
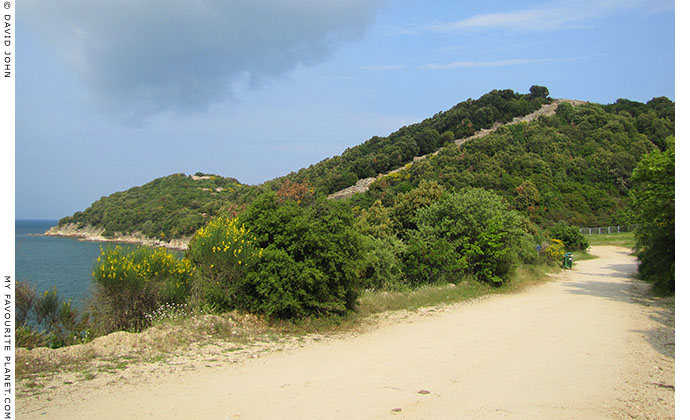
310, 260
381, 265
25, 295
128, 286
469, 232
221, 251
29, 337
555, 251
653, 201
45, 319
571, 237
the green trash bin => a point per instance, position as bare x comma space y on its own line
568, 260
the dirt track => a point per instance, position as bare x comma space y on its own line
588, 345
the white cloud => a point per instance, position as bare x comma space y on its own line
383, 67
555, 15
140, 58
497, 63
470, 64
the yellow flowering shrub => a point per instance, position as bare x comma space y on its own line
135, 283
555, 250
222, 250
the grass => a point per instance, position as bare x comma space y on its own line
582, 256
625, 239
372, 303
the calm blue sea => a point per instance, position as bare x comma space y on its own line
46, 261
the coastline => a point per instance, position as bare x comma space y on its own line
95, 234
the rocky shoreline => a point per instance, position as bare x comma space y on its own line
95, 234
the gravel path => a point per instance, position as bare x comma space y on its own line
588, 345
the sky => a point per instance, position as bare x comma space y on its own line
111, 95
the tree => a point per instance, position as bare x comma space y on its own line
537, 91
407, 204
526, 196
469, 232
427, 140
653, 202
571, 237
310, 260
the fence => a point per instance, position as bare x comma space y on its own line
607, 229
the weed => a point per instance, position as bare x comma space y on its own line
87, 376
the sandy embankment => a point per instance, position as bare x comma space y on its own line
589, 345
91, 233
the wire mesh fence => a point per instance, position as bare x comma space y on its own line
607, 229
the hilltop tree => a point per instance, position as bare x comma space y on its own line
537, 91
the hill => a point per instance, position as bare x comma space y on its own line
574, 166
166, 208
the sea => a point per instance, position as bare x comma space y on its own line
66, 263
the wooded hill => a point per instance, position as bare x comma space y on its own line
574, 166
170, 207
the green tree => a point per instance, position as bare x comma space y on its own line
407, 204
310, 263
653, 202
526, 196
471, 232
537, 91
571, 237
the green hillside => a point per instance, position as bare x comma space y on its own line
382, 154
574, 167
474, 215
170, 207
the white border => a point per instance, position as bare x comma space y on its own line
7, 139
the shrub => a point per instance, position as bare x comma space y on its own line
310, 260
406, 205
555, 251
381, 265
29, 337
46, 307
45, 319
25, 295
432, 260
653, 201
222, 251
470, 232
130, 285
571, 237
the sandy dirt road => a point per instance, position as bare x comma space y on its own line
588, 345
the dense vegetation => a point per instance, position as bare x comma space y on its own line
654, 206
177, 205
170, 207
573, 167
382, 154
467, 215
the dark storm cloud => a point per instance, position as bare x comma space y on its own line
141, 58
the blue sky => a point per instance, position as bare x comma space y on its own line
109, 96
